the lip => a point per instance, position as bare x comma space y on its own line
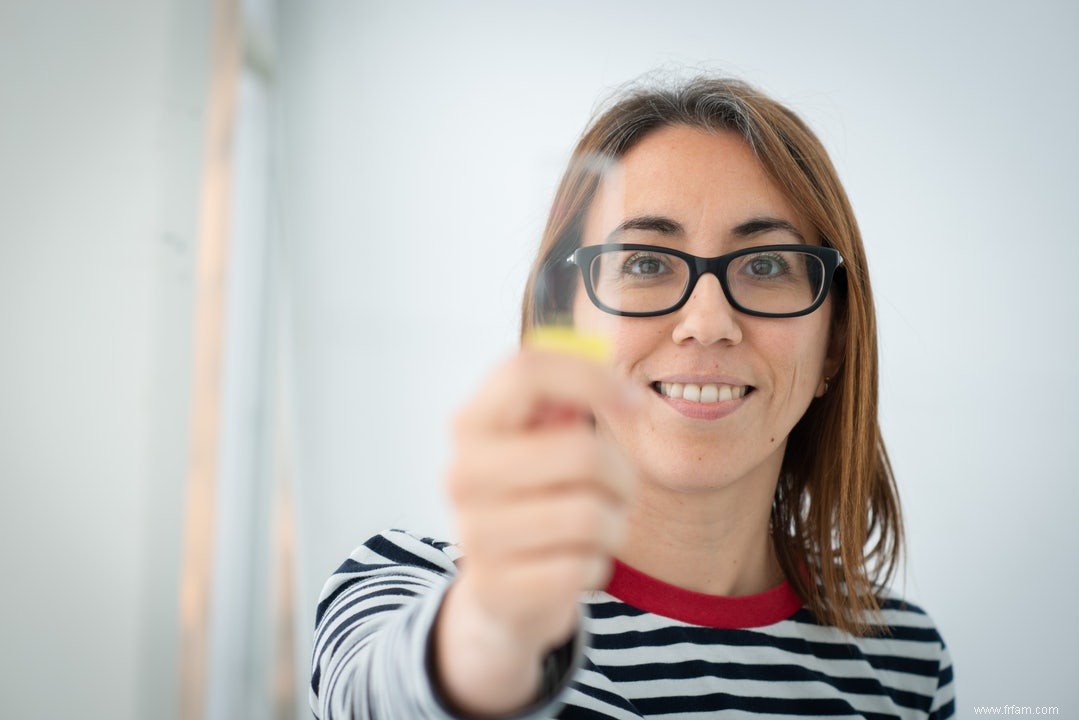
701, 379
703, 411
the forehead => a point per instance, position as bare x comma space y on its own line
707, 181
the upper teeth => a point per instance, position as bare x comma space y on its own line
708, 393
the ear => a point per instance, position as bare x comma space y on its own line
833, 360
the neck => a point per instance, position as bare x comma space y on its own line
713, 541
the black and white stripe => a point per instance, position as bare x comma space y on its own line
376, 612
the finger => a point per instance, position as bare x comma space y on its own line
571, 522
558, 577
541, 592
547, 459
532, 378
538, 602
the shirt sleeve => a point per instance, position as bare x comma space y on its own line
944, 699
373, 626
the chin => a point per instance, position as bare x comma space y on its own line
709, 465
707, 475
695, 486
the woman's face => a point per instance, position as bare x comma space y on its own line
698, 192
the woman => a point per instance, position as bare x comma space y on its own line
740, 536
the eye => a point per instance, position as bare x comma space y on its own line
645, 265
765, 265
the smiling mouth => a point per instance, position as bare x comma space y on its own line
707, 393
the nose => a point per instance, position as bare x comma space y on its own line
707, 317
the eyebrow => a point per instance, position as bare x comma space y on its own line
648, 223
666, 226
766, 224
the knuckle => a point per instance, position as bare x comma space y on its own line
564, 577
519, 367
588, 518
597, 572
526, 356
461, 480
457, 487
583, 453
461, 424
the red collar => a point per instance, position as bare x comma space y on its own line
718, 611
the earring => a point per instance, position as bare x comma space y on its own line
827, 379
822, 389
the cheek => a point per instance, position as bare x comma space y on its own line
795, 352
808, 361
633, 340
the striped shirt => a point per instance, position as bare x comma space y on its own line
646, 650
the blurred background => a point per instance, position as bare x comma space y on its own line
250, 269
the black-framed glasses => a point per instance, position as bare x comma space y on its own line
775, 281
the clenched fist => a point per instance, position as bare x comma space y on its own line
540, 502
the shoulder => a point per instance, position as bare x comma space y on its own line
902, 649
915, 639
400, 547
904, 620
905, 628
912, 639
398, 560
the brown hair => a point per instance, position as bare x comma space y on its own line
836, 522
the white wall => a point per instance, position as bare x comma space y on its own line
420, 148
101, 125
421, 145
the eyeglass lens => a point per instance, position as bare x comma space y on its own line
770, 281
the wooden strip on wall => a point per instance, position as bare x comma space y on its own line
214, 224
283, 678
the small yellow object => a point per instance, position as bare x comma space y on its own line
557, 338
